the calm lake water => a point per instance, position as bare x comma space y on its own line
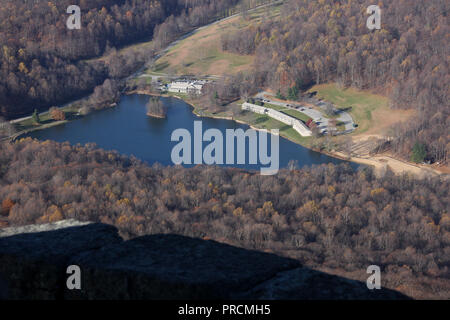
128, 130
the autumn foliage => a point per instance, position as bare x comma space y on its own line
57, 114
44, 63
314, 42
7, 204
328, 217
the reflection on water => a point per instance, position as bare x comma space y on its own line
128, 130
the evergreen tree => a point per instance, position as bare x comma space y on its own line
279, 95
35, 117
293, 93
298, 84
419, 153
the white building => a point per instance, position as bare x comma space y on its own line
187, 86
298, 126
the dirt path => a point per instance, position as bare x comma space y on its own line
361, 153
382, 161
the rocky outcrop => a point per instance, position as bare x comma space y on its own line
34, 260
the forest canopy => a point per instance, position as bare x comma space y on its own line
43, 63
327, 216
315, 42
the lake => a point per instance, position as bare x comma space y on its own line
127, 129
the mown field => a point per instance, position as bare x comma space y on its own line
201, 54
370, 111
46, 120
261, 121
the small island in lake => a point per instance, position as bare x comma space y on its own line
155, 108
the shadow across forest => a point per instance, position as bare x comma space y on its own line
191, 269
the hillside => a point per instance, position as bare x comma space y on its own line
318, 42
45, 64
378, 97
327, 217
202, 53
393, 79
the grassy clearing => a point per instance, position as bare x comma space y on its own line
261, 121
290, 112
274, 107
360, 104
297, 114
183, 96
46, 120
201, 53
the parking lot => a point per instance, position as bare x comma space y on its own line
318, 116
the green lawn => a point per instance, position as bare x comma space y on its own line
180, 95
30, 124
186, 58
274, 107
262, 121
290, 112
360, 104
201, 53
45, 119
296, 114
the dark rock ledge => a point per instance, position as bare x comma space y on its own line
34, 259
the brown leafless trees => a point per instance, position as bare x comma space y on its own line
320, 41
327, 216
44, 64
155, 108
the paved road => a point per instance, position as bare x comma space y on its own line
318, 116
344, 117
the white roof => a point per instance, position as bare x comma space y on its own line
187, 84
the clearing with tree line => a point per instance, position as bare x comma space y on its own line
202, 54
